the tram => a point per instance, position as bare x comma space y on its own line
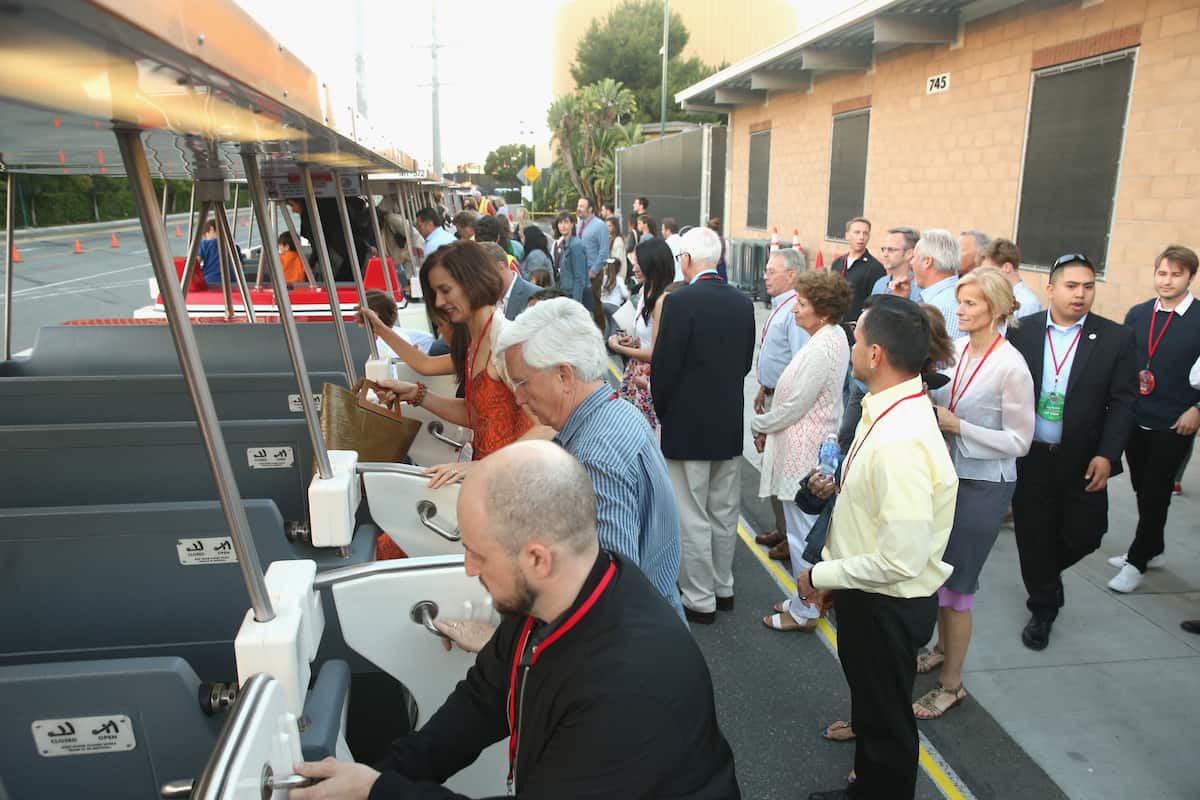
152, 471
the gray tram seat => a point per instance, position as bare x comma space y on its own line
56, 400
152, 702
153, 705
90, 582
146, 462
150, 350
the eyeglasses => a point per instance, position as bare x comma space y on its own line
1072, 258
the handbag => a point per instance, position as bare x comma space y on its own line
350, 421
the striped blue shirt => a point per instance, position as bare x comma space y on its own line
636, 514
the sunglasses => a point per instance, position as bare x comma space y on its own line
1072, 258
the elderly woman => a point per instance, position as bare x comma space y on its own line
987, 419
807, 408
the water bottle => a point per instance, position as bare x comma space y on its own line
830, 455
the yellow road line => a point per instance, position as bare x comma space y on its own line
948, 787
616, 372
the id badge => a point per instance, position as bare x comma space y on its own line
1146, 382
1050, 407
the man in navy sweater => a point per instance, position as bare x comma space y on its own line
1167, 414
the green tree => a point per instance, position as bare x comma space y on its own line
503, 163
587, 127
625, 48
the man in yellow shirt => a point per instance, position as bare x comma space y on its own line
883, 561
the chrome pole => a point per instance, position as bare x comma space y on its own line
262, 256
286, 213
223, 257
192, 209
10, 238
344, 213
236, 187
379, 246
164, 200
249, 229
291, 335
134, 156
226, 235
189, 266
335, 306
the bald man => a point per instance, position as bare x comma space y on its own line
614, 697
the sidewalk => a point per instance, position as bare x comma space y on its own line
1108, 710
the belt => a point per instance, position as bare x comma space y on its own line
1046, 446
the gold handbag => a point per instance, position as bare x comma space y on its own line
350, 421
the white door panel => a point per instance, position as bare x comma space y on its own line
374, 606
417, 518
427, 449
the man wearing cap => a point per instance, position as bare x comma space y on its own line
1084, 378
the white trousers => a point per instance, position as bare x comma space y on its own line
707, 493
799, 525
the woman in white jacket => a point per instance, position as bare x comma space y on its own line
807, 408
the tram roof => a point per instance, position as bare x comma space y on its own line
847, 41
200, 79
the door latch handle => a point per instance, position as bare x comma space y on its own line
426, 512
424, 613
437, 430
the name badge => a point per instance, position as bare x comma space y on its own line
1050, 406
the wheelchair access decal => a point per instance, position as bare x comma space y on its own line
83, 735
214, 550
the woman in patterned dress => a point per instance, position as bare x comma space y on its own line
653, 265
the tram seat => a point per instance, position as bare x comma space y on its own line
146, 462
157, 697
107, 581
56, 400
150, 350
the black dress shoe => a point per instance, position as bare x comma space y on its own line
832, 794
1189, 625
700, 617
725, 603
1037, 633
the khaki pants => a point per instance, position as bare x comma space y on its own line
707, 493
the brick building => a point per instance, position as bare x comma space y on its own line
1074, 125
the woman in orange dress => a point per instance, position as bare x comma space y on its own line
465, 286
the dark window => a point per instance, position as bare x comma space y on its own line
847, 171
760, 179
1072, 154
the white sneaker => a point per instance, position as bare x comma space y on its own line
1157, 562
1127, 580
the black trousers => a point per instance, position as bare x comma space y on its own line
1057, 523
1154, 458
878, 637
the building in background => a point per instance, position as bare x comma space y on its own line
1069, 126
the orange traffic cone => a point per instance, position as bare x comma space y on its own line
78, 248
178, 232
16, 255
820, 261
795, 239
774, 240
114, 241
242, 221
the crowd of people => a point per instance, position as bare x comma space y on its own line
906, 407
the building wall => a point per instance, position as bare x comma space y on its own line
953, 160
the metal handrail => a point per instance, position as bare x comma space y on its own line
426, 511
213, 782
352, 252
318, 242
326, 580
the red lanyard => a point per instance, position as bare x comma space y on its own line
1058, 365
471, 365
1152, 343
863, 440
955, 397
571, 622
771, 318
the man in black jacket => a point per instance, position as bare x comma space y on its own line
704, 349
860, 269
602, 693
1084, 378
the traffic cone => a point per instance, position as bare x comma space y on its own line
114, 241
78, 248
795, 239
820, 261
242, 221
774, 240
178, 232
16, 255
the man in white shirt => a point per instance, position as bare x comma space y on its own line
670, 233
935, 268
429, 225
1004, 255
897, 253
780, 339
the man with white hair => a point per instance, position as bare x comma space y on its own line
935, 267
971, 245
555, 359
704, 348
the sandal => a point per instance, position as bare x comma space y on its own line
839, 731
786, 622
937, 701
770, 538
780, 552
928, 660
783, 606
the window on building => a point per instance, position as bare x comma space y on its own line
760, 179
1072, 157
847, 170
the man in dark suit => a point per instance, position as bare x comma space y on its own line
1085, 380
860, 269
515, 290
704, 349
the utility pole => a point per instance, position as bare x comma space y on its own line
437, 113
662, 124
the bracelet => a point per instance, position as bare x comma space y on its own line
420, 398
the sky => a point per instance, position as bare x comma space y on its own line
490, 95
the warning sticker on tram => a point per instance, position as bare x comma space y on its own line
79, 736
270, 457
213, 550
294, 403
